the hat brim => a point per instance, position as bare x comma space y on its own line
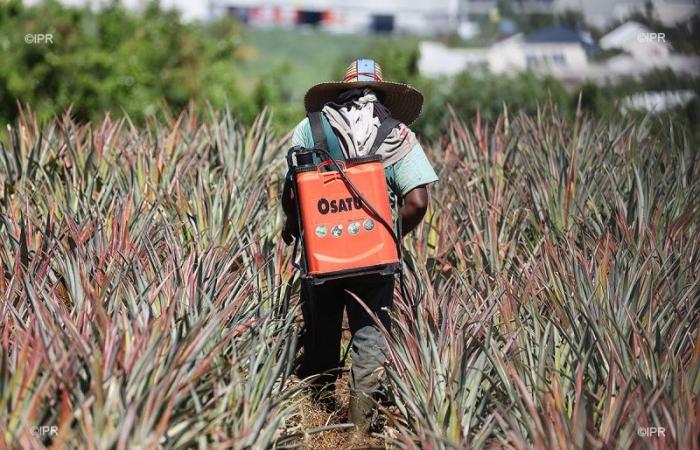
402, 100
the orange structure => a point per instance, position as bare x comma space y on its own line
345, 218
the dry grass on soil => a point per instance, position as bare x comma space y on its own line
312, 416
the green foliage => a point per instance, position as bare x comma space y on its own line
593, 99
399, 59
489, 95
526, 22
657, 80
113, 59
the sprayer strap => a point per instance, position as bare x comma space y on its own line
317, 132
382, 132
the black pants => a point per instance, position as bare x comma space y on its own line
322, 308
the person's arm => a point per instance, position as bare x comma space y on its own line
415, 204
412, 175
291, 227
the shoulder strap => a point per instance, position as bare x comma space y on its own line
317, 132
382, 132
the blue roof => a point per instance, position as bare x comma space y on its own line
559, 34
554, 34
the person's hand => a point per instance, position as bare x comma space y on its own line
289, 232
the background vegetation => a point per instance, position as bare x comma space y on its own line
117, 62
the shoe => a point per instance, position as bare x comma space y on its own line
360, 411
323, 395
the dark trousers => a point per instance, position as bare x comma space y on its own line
322, 308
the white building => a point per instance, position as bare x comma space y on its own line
562, 54
643, 51
425, 16
599, 13
556, 51
636, 40
418, 16
657, 101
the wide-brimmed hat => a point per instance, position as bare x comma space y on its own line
402, 100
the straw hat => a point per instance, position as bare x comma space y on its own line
402, 100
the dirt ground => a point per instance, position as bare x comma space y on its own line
337, 432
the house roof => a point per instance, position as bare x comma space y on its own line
622, 35
559, 35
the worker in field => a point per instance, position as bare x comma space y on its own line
357, 115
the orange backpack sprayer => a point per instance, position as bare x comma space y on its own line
343, 210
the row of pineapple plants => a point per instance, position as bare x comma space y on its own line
146, 300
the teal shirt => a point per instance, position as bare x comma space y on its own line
408, 173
